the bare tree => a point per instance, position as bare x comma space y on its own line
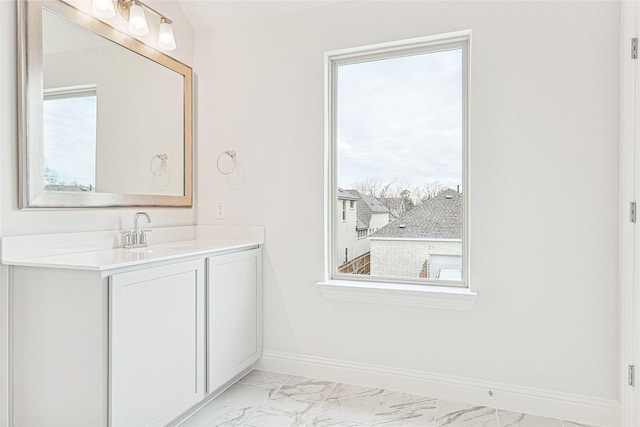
50, 175
428, 191
375, 187
399, 197
396, 196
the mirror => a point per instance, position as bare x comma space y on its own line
106, 121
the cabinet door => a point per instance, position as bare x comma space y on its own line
234, 314
157, 343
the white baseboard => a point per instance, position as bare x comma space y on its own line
564, 406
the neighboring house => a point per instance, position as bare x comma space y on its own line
372, 214
346, 225
359, 215
426, 242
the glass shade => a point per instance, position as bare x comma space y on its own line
166, 39
103, 8
137, 21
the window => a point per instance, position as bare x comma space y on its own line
344, 210
70, 125
397, 132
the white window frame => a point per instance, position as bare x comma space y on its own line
70, 92
430, 293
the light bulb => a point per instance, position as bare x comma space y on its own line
166, 39
137, 21
103, 8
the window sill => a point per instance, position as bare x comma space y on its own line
461, 299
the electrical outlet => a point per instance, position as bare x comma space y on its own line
221, 209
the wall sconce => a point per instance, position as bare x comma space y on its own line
103, 8
133, 11
137, 21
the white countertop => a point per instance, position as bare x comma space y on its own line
110, 259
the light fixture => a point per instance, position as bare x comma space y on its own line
166, 39
137, 21
133, 11
103, 8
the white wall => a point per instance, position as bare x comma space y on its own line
17, 222
544, 148
378, 221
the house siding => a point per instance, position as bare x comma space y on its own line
406, 258
347, 236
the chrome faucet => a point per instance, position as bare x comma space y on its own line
139, 238
136, 238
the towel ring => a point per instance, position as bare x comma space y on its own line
158, 169
234, 158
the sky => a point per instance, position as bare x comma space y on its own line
70, 139
401, 119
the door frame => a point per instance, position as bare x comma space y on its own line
629, 234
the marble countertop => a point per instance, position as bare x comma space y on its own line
110, 259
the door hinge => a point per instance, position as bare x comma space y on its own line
632, 375
634, 48
632, 212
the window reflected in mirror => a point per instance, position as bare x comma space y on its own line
70, 126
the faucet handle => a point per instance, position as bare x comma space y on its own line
143, 236
128, 238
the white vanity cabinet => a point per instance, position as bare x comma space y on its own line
234, 299
157, 343
119, 338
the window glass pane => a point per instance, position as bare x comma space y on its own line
399, 144
70, 127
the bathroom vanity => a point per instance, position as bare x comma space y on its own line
131, 337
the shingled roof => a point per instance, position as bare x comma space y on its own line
346, 195
366, 206
438, 218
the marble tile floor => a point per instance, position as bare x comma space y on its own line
267, 399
